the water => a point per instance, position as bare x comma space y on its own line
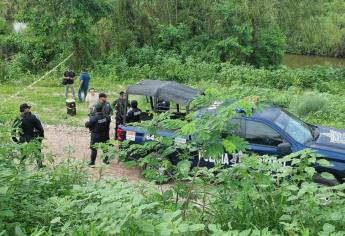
298, 61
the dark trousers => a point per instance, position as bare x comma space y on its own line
84, 90
24, 139
118, 121
94, 154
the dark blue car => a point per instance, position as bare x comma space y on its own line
271, 131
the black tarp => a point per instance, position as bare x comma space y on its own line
164, 90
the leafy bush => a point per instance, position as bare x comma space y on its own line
3, 70
308, 104
157, 64
271, 48
258, 196
171, 36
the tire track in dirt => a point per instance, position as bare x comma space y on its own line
59, 138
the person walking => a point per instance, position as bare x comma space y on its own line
119, 106
28, 127
83, 84
133, 114
68, 82
91, 99
106, 107
99, 126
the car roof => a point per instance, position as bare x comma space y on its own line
265, 112
165, 90
268, 112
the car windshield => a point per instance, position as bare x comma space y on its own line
296, 128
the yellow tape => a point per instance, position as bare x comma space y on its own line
36, 81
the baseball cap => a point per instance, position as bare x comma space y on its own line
24, 106
102, 95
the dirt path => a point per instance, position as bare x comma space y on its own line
58, 139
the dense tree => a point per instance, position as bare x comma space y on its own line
66, 22
313, 26
253, 32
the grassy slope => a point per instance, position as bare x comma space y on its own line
48, 102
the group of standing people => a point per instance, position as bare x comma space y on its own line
100, 119
68, 82
27, 127
100, 110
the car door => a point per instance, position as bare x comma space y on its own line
262, 139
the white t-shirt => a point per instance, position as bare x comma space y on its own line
90, 100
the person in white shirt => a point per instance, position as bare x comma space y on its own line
91, 99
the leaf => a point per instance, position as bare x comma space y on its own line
3, 190
145, 226
91, 208
6, 213
55, 220
324, 162
183, 228
167, 195
310, 170
335, 216
328, 228
239, 142
285, 218
229, 146
189, 128
292, 188
213, 227
18, 231
184, 167
196, 227
292, 198
327, 176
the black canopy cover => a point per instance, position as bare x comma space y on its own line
165, 90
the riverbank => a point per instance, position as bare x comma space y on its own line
300, 61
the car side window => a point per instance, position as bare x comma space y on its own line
259, 133
236, 125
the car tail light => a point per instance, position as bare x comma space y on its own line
120, 134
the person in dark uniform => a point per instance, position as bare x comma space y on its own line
163, 105
28, 127
99, 126
106, 107
119, 106
133, 114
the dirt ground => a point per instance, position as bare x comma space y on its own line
60, 139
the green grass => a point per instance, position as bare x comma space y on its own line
48, 101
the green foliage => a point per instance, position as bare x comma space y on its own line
260, 195
24, 191
170, 36
313, 27
309, 104
196, 42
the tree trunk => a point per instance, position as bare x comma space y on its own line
77, 52
254, 41
176, 11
